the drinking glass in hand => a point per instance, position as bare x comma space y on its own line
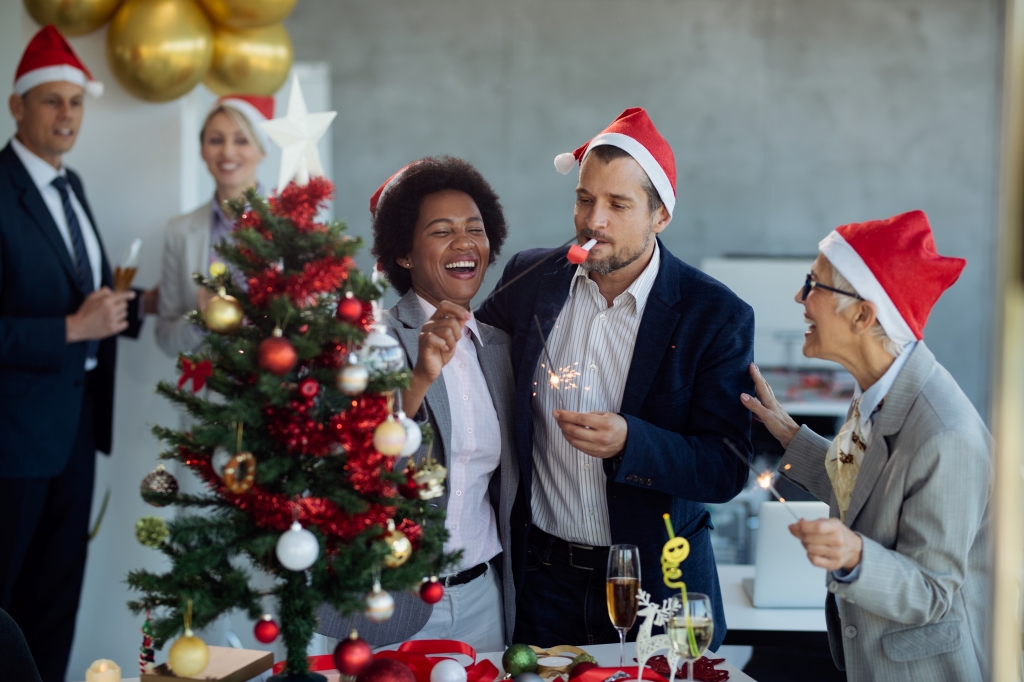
691, 628
622, 587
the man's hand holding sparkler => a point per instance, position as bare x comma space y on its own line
598, 434
829, 543
436, 347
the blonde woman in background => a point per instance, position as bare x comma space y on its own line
232, 145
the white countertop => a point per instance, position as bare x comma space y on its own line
740, 614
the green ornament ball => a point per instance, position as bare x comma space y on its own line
581, 658
151, 531
518, 659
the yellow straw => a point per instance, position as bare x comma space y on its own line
671, 571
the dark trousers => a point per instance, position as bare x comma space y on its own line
44, 527
563, 600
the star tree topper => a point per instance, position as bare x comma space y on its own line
297, 134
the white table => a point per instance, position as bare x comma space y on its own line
751, 625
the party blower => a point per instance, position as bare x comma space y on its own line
577, 254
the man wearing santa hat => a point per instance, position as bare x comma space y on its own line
58, 323
649, 355
907, 478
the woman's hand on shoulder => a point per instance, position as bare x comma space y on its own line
437, 340
766, 409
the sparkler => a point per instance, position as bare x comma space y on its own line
553, 379
763, 478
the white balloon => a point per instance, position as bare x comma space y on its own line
413, 435
297, 548
448, 671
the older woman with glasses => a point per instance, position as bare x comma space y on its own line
907, 478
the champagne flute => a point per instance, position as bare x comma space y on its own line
125, 272
622, 588
691, 628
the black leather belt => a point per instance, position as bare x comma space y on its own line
583, 557
463, 577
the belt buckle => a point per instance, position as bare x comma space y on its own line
446, 579
572, 562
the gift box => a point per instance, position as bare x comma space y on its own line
226, 665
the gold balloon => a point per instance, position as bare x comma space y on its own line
223, 314
159, 49
247, 13
251, 61
72, 17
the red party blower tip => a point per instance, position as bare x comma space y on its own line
577, 254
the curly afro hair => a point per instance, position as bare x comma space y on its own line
399, 208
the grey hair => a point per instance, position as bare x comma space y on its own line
844, 302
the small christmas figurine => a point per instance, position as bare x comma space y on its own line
147, 655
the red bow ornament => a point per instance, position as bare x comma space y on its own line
198, 372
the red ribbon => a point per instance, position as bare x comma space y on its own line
198, 372
602, 674
415, 654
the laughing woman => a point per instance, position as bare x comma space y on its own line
908, 476
437, 225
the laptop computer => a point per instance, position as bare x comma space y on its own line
783, 576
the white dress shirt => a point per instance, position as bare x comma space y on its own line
475, 452
42, 175
591, 347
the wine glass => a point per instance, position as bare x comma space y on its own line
691, 628
622, 587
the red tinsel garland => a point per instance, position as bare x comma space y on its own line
322, 276
300, 203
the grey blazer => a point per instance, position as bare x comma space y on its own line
186, 250
494, 353
917, 611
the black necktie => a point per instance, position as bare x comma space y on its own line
83, 269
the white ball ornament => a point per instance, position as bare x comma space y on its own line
448, 670
297, 548
353, 378
381, 353
413, 435
379, 605
219, 460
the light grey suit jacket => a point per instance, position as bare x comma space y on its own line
186, 250
493, 350
917, 611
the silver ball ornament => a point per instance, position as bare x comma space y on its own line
448, 670
413, 435
379, 605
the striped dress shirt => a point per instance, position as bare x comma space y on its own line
476, 452
591, 347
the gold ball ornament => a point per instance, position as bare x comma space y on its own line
389, 437
247, 13
188, 655
159, 49
399, 546
253, 60
72, 17
223, 313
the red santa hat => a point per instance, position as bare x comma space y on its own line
893, 263
49, 58
388, 184
255, 108
634, 133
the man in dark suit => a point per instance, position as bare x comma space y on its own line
58, 325
623, 417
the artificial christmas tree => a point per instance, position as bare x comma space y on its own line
306, 496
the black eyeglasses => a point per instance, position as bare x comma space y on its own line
811, 284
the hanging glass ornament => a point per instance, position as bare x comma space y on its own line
276, 354
389, 437
151, 531
223, 313
353, 378
431, 591
266, 630
353, 656
413, 434
350, 308
160, 482
297, 548
308, 388
400, 549
188, 655
379, 604
381, 353
430, 479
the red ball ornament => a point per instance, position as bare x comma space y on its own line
353, 656
309, 388
387, 670
432, 591
276, 354
350, 309
266, 630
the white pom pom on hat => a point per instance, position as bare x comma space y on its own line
564, 162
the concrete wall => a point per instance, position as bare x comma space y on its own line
787, 117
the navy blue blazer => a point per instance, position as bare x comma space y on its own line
682, 397
41, 375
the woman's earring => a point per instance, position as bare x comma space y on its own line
408, 265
